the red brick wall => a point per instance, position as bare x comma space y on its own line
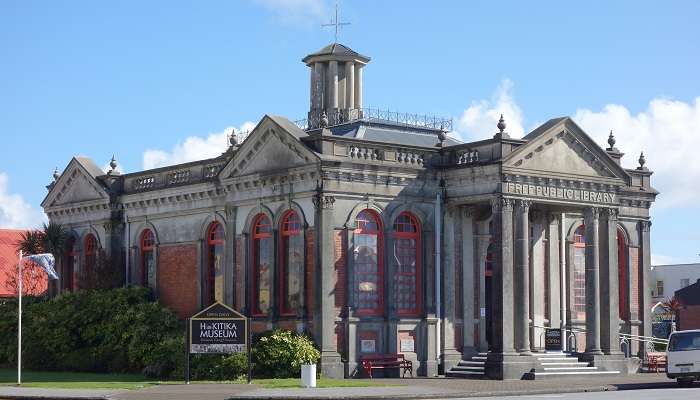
340, 263
634, 283
689, 317
239, 276
177, 278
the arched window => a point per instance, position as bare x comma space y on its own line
369, 272
291, 263
622, 271
148, 267
68, 266
90, 253
579, 278
407, 257
214, 288
263, 262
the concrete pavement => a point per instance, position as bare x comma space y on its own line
404, 389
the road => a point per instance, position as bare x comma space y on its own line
645, 394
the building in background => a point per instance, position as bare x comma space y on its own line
688, 316
376, 232
668, 279
35, 281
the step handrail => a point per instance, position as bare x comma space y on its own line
625, 339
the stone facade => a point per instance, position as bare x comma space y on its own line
378, 236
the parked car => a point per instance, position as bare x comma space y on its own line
683, 356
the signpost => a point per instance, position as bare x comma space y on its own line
218, 329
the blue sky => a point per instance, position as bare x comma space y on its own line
160, 82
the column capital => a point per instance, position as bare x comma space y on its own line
524, 205
322, 201
645, 225
611, 214
552, 217
470, 211
592, 212
499, 204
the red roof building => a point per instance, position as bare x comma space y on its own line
35, 282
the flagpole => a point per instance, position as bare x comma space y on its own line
19, 325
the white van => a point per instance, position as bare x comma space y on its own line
683, 356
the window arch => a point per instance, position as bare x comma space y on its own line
148, 267
263, 262
369, 272
90, 253
579, 275
69, 263
622, 273
407, 258
291, 263
214, 282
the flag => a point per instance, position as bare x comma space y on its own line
46, 261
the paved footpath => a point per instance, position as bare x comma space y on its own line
403, 389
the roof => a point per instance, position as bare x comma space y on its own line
543, 128
387, 132
90, 166
337, 50
288, 125
689, 295
8, 260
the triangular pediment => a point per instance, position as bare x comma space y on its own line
563, 148
75, 185
272, 145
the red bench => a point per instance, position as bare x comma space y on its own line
387, 361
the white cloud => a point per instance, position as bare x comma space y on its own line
660, 259
14, 211
667, 131
193, 148
305, 12
479, 120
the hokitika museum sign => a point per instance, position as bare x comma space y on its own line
218, 329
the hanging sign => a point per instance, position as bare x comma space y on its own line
552, 339
218, 329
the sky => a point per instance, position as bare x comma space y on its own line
161, 82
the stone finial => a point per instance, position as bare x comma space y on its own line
642, 161
611, 141
324, 120
442, 135
56, 174
232, 139
113, 163
501, 124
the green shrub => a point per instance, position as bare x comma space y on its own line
280, 354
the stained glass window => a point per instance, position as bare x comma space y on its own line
292, 262
407, 282
263, 262
369, 276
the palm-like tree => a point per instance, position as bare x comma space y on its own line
31, 242
54, 239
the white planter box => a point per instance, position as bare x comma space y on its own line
308, 375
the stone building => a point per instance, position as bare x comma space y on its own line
377, 233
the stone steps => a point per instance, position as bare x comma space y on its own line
555, 365
474, 368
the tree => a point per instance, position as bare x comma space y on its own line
31, 242
672, 306
54, 239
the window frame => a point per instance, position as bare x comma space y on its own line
147, 244
255, 267
379, 309
418, 272
285, 233
214, 239
90, 251
579, 309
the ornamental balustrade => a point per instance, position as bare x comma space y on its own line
317, 119
193, 174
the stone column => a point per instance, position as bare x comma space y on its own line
553, 246
332, 103
592, 282
502, 287
483, 244
468, 268
230, 256
537, 280
522, 279
319, 88
609, 290
450, 354
324, 310
349, 85
358, 85
645, 281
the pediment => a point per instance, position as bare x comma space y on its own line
269, 147
564, 149
75, 185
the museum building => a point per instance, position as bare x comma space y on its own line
376, 232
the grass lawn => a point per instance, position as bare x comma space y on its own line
85, 380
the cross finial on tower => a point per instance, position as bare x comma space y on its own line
337, 22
